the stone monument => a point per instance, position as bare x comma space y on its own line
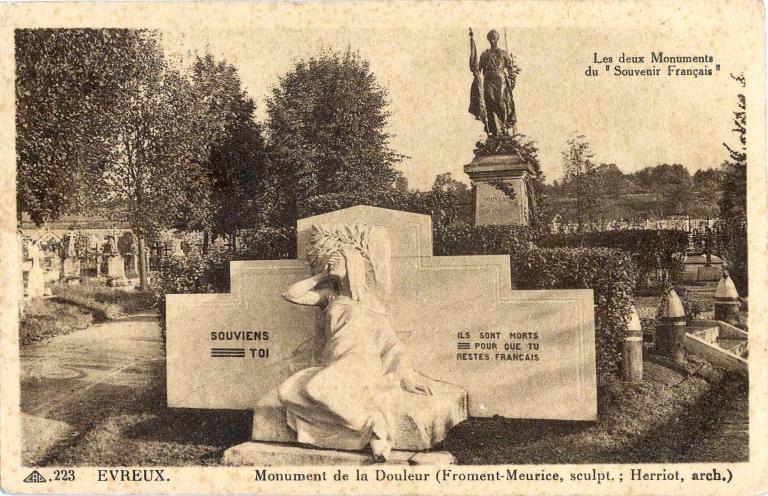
461, 333
115, 263
70, 263
35, 278
500, 173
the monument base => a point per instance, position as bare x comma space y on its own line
281, 454
501, 189
423, 421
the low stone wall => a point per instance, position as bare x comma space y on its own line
716, 355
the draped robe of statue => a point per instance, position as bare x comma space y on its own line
491, 97
340, 402
334, 404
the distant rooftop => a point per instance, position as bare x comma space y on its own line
75, 222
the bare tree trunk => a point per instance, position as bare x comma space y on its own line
143, 284
205, 241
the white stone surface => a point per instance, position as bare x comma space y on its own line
423, 421
436, 302
279, 454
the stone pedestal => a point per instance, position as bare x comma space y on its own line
423, 421
492, 204
283, 454
116, 271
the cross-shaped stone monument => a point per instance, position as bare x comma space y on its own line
517, 353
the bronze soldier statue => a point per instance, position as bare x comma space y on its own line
491, 95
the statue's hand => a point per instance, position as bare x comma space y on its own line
413, 386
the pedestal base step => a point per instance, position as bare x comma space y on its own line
280, 454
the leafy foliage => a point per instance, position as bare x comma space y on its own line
657, 253
326, 121
66, 83
448, 202
237, 158
578, 169
484, 240
733, 203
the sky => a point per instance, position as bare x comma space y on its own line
633, 122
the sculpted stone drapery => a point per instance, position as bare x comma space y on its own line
336, 403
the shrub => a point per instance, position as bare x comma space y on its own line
43, 319
657, 253
207, 273
460, 239
610, 273
446, 206
266, 243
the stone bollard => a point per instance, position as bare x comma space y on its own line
727, 301
632, 349
670, 334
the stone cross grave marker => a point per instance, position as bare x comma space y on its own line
519, 354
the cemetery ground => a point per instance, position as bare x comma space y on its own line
96, 396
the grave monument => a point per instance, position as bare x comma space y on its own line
465, 342
35, 279
115, 263
70, 263
501, 175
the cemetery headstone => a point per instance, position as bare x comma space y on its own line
70, 264
35, 278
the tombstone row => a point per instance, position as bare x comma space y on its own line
111, 255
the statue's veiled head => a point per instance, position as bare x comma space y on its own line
358, 253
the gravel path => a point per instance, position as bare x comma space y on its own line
69, 382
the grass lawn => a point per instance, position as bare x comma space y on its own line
666, 418
76, 307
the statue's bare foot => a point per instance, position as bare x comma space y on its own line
381, 449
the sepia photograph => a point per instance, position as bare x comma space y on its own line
490, 243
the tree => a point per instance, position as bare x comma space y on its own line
733, 202
66, 82
707, 190
326, 123
671, 183
450, 201
578, 177
237, 158
159, 135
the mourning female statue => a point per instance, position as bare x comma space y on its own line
337, 403
491, 92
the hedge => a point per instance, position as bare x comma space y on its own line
445, 208
657, 253
460, 239
209, 273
